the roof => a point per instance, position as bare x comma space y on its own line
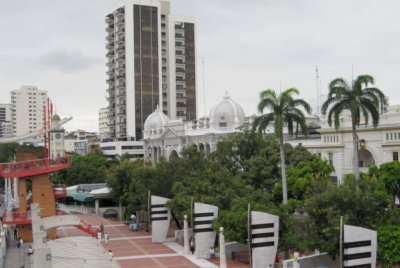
88, 187
81, 197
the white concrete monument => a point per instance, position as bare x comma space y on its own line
160, 219
264, 232
359, 247
204, 235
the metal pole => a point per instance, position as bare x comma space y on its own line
149, 208
341, 242
191, 213
249, 233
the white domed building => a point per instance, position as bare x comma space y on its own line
166, 138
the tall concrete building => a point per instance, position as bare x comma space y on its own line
104, 129
151, 62
27, 110
5, 120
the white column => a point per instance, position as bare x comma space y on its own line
222, 255
96, 206
185, 236
16, 197
296, 264
6, 192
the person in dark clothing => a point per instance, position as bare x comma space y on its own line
15, 234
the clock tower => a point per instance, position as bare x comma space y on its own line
56, 139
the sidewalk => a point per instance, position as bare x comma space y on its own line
16, 257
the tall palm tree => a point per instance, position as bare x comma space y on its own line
361, 100
283, 110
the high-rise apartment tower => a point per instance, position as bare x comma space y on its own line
5, 120
27, 110
151, 62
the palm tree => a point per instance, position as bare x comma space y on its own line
283, 111
361, 100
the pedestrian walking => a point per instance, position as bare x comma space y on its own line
212, 253
191, 245
15, 234
106, 237
110, 253
102, 229
98, 235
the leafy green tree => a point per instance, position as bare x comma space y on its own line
308, 177
389, 246
283, 110
7, 151
89, 168
234, 218
390, 175
361, 100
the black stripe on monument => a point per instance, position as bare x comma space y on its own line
205, 214
261, 226
356, 256
262, 235
358, 266
203, 230
202, 222
263, 244
357, 244
158, 206
159, 212
159, 218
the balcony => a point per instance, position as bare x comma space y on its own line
110, 37
110, 53
109, 45
110, 63
110, 28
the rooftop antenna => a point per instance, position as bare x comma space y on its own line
204, 92
318, 89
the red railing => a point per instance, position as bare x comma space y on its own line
87, 228
17, 217
34, 167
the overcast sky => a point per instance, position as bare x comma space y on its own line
248, 46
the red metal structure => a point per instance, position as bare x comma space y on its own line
34, 167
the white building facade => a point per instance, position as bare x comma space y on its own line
104, 129
27, 110
165, 138
376, 145
5, 121
151, 61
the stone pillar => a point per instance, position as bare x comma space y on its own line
359, 246
204, 235
96, 206
222, 255
160, 218
41, 253
185, 236
264, 230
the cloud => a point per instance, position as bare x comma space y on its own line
68, 61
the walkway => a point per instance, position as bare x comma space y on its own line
17, 257
135, 249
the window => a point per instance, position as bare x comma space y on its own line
395, 156
330, 158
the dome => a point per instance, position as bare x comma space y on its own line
55, 118
227, 113
155, 122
